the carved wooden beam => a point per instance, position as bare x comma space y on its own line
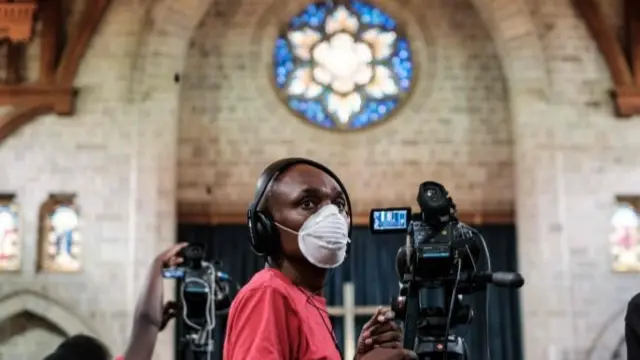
199, 215
15, 63
52, 23
80, 39
606, 40
624, 73
59, 99
53, 92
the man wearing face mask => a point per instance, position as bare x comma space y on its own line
300, 222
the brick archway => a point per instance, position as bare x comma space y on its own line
155, 90
523, 62
512, 28
47, 309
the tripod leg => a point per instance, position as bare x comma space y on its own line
411, 317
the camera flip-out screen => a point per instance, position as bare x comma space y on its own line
389, 220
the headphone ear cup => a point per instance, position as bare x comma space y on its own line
254, 237
267, 233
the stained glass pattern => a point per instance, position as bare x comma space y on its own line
625, 239
343, 67
10, 246
62, 245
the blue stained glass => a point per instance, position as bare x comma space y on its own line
312, 16
309, 98
373, 111
370, 15
313, 110
283, 62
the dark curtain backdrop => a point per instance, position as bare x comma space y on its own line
371, 266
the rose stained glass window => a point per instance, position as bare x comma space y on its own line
343, 67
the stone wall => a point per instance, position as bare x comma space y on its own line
511, 104
455, 127
574, 161
113, 154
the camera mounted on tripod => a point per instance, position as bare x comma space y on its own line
204, 292
437, 265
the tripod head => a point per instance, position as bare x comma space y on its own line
434, 286
431, 309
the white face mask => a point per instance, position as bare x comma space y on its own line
324, 237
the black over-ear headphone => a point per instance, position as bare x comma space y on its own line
263, 233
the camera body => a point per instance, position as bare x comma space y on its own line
435, 237
436, 266
438, 259
197, 290
203, 292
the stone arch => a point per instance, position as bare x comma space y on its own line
512, 28
166, 33
20, 331
523, 62
45, 308
154, 93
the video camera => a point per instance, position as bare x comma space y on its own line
204, 292
438, 264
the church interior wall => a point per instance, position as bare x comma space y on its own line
510, 110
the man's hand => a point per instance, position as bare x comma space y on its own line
170, 257
380, 331
169, 312
389, 354
151, 302
151, 315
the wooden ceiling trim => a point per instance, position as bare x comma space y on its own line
625, 73
53, 92
80, 39
52, 23
606, 40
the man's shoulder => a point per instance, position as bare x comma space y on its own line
266, 294
634, 303
266, 281
633, 308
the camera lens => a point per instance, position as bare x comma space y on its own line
434, 202
434, 196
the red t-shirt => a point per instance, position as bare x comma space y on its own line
273, 319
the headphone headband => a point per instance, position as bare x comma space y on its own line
257, 231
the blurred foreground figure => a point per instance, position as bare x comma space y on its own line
632, 328
80, 347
